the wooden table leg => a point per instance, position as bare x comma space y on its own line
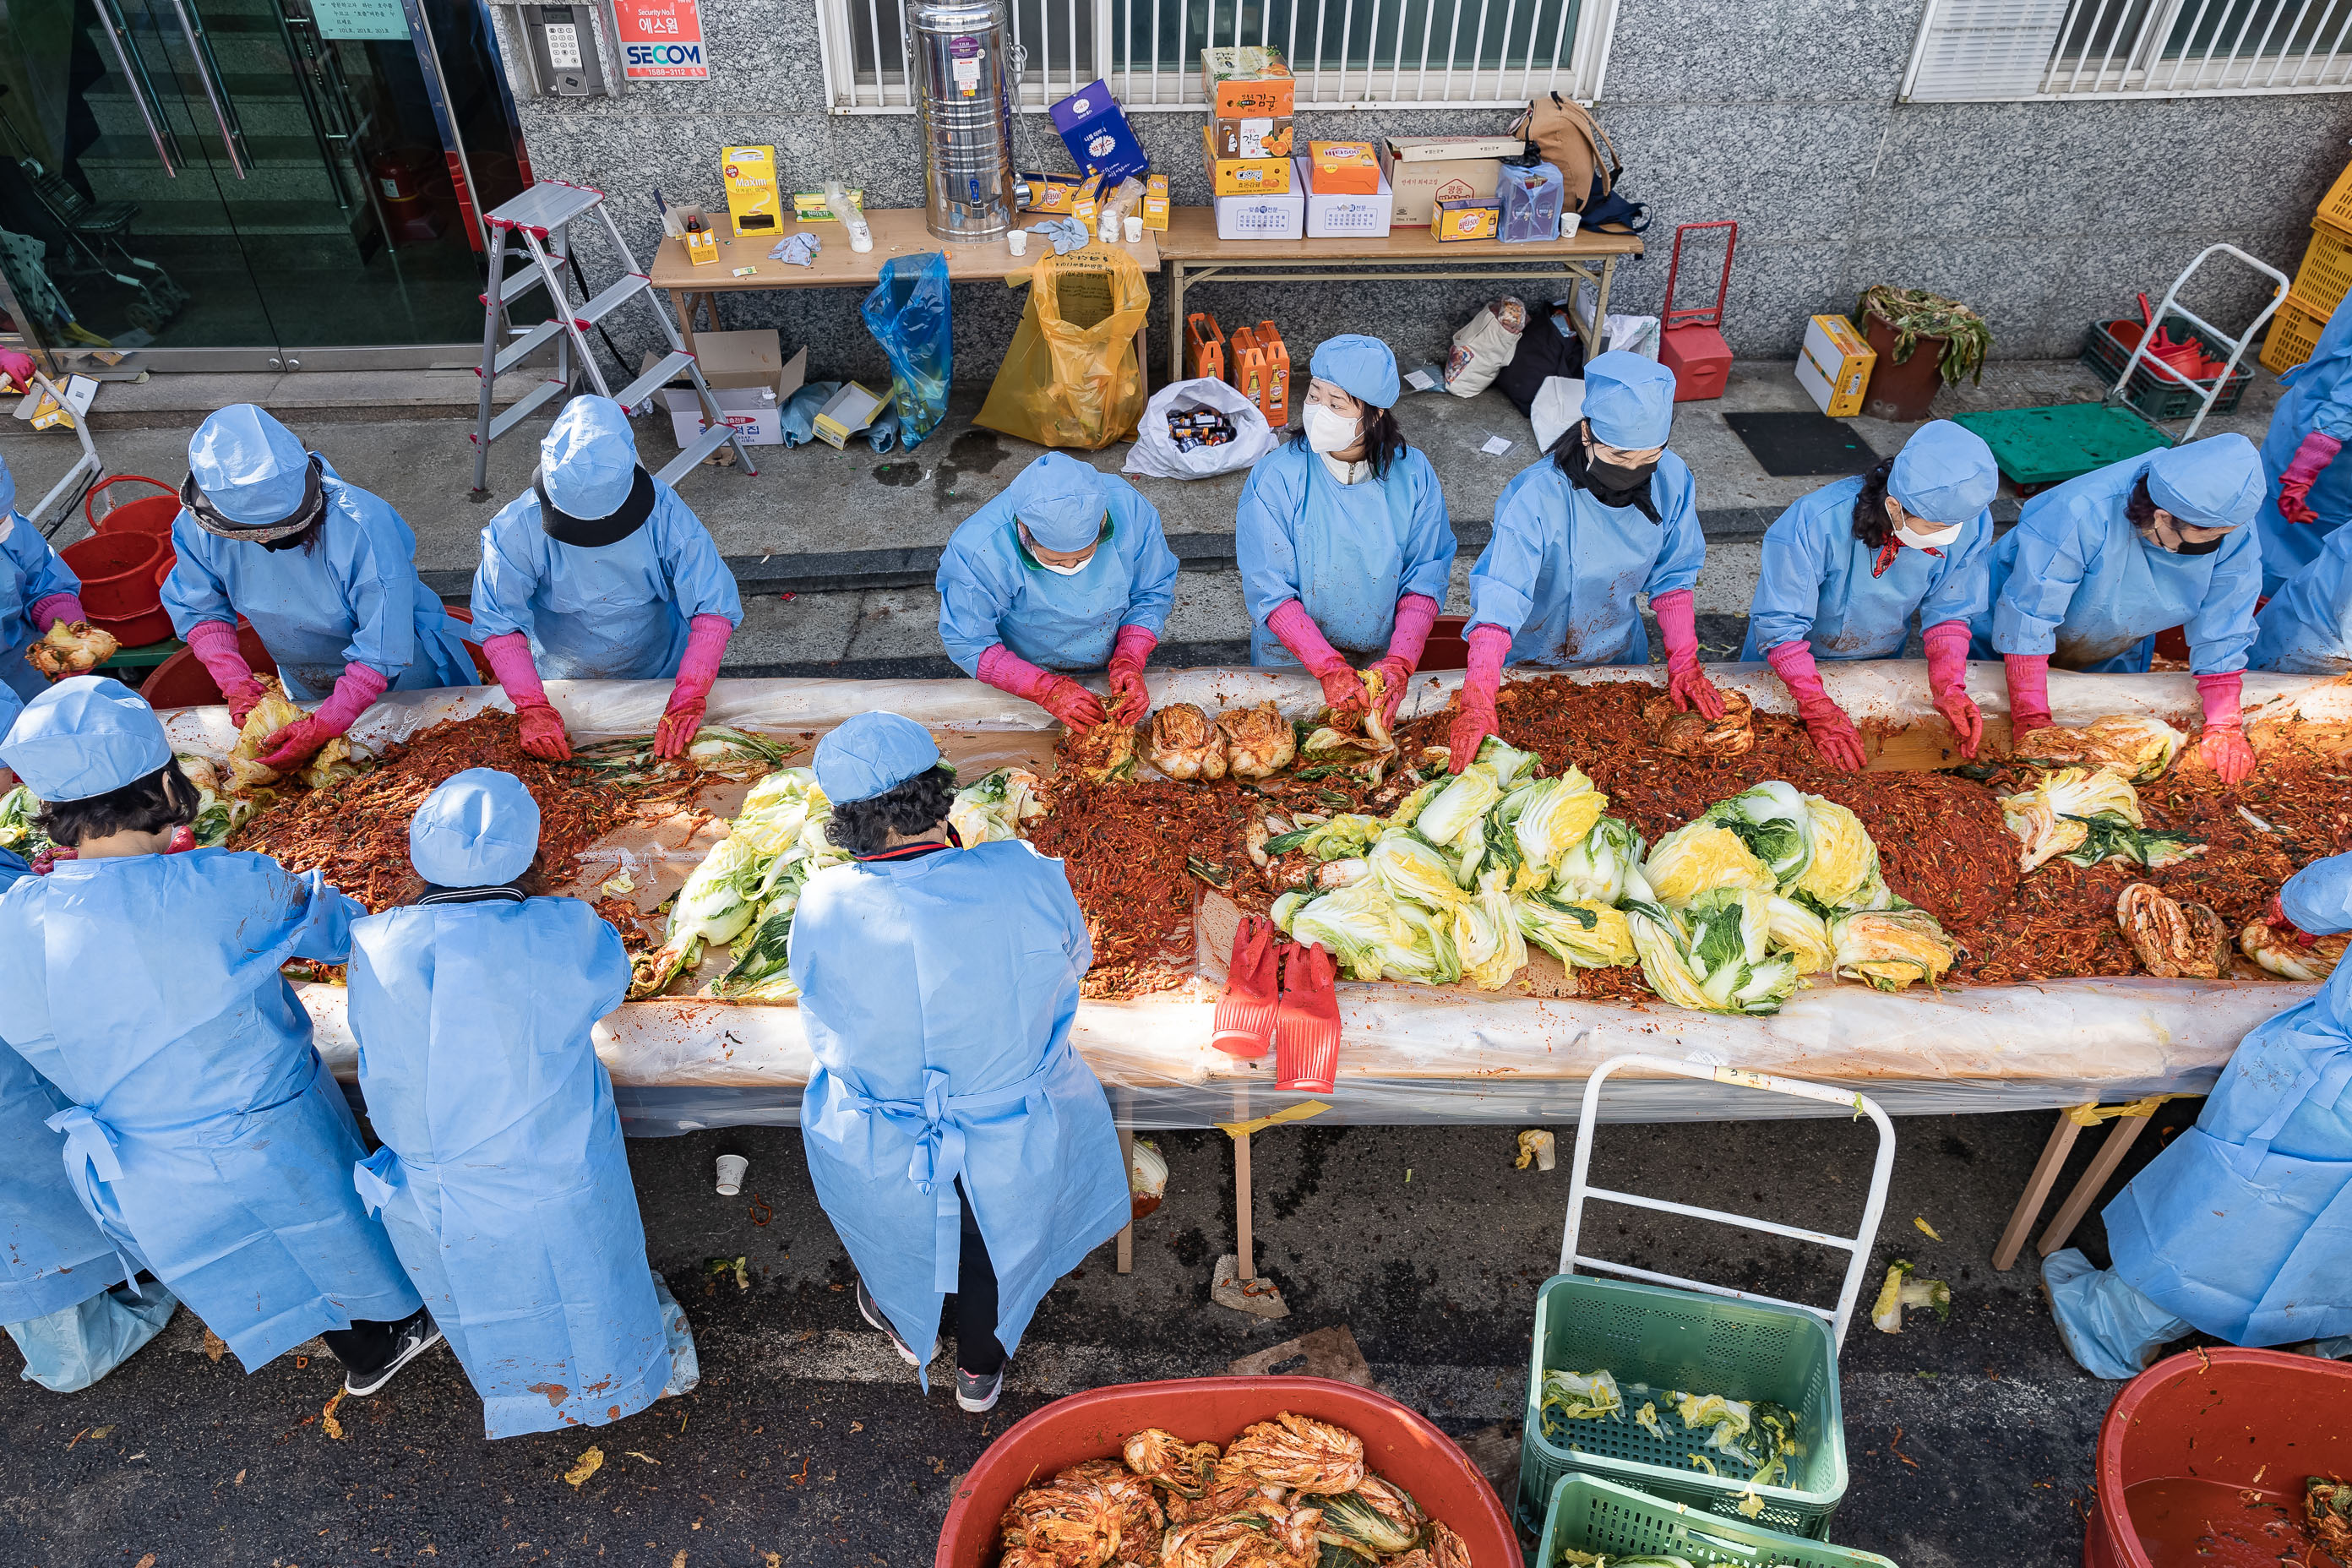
2086, 1191
1243, 1242
1176, 322
681, 305
2037, 1191
1127, 1231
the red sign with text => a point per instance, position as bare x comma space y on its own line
662, 39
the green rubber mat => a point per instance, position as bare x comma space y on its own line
2039, 446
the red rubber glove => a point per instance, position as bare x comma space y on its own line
2222, 742
1131, 699
183, 838
214, 645
1833, 733
2294, 485
2029, 693
706, 645
543, 736
1243, 1025
1343, 689
1307, 1022
297, 742
1678, 622
2279, 921
1065, 698
1415, 614
48, 612
1480, 681
1947, 683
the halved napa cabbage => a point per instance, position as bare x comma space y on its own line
1593, 869
1581, 935
1844, 872
1549, 817
1701, 858
1890, 948
1773, 820
1803, 935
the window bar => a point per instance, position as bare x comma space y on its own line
1070, 52
1478, 49
1291, 56
1453, 44
1428, 24
2269, 29
2099, 82
2182, 58
874, 24
2288, 42
2066, 31
2139, 60
1183, 38
1155, 54
1021, 92
2058, 49
2326, 70
1503, 55
1319, 51
1127, 79
1551, 84
1346, 34
905, 57
2236, 44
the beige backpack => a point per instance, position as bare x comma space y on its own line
1567, 137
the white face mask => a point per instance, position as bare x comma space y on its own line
1328, 430
1066, 570
1935, 539
8, 525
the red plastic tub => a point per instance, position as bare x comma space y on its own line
1398, 1444
117, 584
2187, 1438
183, 681
148, 514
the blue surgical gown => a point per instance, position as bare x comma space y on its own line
616, 612
29, 572
2073, 581
503, 1179
991, 590
2318, 396
2307, 629
351, 596
1345, 553
203, 1132
2242, 1225
938, 994
1562, 569
1815, 586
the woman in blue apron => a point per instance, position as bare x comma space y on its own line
38, 590
1607, 514
2308, 497
325, 572
2307, 629
1341, 535
957, 1141
1066, 571
202, 1131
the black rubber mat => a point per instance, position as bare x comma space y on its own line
1790, 444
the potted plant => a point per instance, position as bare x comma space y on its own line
1899, 322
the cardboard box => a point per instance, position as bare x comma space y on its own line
748, 373
808, 206
1342, 168
1263, 136
702, 246
1155, 202
1354, 215
1086, 200
1265, 217
1052, 192
1835, 366
1095, 129
1423, 170
1244, 176
1466, 219
847, 412
1246, 81
752, 201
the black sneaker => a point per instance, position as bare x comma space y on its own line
976, 1392
412, 1339
873, 1314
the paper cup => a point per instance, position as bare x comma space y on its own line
1017, 242
1134, 230
1569, 223
730, 1174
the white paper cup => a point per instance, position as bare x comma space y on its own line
1017, 242
1134, 229
730, 1174
1569, 223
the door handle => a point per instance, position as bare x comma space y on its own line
200, 45
143, 91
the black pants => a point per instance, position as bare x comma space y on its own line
975, 1302
368, 1345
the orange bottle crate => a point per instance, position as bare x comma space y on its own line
1205, 347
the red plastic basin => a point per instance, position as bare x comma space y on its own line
2184, 1437
183, 681
117, 572
148, 514
1398, 1444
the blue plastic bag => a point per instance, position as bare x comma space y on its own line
2106, 1325
75, 1346
908, 314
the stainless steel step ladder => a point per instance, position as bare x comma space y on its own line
532, 231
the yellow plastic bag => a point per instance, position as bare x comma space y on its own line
1071, 377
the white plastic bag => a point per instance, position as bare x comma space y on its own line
1155, 454
1559, 404
1484, 345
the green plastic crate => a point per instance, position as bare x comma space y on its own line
2040, 447
1590, 1515
1700, 1343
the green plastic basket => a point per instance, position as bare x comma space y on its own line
1590, 1515
1701, 1343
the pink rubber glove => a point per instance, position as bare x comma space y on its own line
214, 645
1343, 692
1947, 683
1678, 622
2222, 742
1133, 700
57, 607
1415, 614
1484, 677
542, 727
2294, 485
2029, 693
18, 368
290, 747
1833, 733
1307, 1022
1065, 698
706, 645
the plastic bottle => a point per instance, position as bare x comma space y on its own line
837, 202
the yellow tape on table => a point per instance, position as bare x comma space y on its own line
1300, 1112
2092, 1115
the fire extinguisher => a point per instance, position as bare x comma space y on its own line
396, 180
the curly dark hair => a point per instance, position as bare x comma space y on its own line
143, 806
914, 806
1383, 439
2139, 507
1870, 521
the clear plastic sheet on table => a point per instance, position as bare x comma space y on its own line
1412, 1055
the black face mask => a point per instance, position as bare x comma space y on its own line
2207, 547
1616, 478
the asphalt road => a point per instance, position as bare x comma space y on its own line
809, 1443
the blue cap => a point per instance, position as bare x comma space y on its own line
2213, 483
1060, 500
1360, 366
588, 459
870, 754
1630, 400
479, 829
1945, 474
251, 468
86, 736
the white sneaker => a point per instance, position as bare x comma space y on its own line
873, 1314
975, 1392
418, 1334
